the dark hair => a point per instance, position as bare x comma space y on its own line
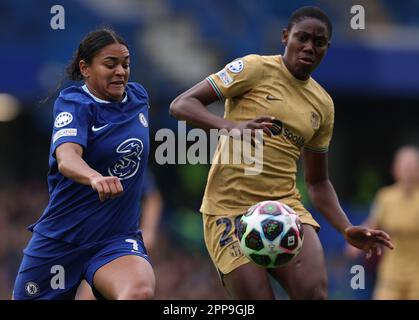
310, 12
92, 43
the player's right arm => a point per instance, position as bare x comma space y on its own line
190, 106
71, 165
69, 139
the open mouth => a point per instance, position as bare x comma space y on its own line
118, 83
306, 60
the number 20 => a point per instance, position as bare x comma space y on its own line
225, 238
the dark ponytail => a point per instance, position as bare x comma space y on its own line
92, 43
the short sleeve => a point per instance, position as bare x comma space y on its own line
139, 91
71, 122
237, 77
321, 138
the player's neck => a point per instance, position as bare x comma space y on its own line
299, 77
95, 97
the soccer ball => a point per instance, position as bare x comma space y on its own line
270, 234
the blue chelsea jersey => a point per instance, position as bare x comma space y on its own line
115, 141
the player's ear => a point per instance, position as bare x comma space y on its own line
285, 34
84, 69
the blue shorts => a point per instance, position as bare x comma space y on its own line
53, 269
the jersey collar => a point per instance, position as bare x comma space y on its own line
86, 89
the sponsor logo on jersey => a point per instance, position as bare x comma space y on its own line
63, 119
143, 119
69, 132
279, 128
129, 162
225, 77
294, 138
276, 129
31, 288
236, 66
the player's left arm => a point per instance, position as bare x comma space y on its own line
325, 200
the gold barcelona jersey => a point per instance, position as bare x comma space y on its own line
253, 86
398, 214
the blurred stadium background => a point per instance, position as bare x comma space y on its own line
372, 75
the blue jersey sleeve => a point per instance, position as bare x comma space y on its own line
139, 91
71, 122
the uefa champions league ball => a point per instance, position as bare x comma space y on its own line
270, 234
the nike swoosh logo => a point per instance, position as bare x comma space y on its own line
269, 97
99, 128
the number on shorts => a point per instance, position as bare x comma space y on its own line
134, 243
225, 238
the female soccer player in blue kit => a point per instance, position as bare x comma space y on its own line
98, 155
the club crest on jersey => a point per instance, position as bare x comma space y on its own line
31, 288
127, 166
63, 119
315, 120
236, 66
143, 119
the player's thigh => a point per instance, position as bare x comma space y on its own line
248, 282
84, 292
305, 277
119, 268
128, 277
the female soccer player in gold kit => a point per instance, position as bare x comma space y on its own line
256, 90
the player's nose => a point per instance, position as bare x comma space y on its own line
308, 47
120, 70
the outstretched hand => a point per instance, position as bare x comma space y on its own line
368, 240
